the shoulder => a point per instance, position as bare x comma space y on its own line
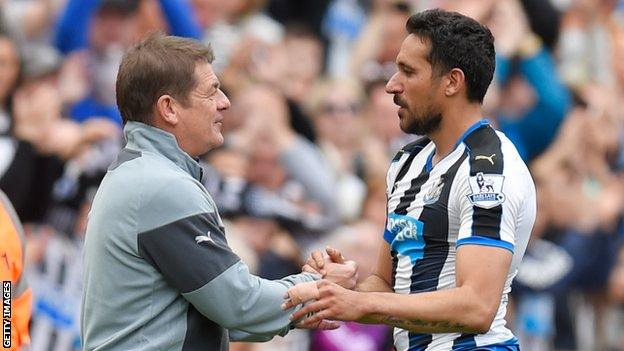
173, 195
494, 161
490, 151
159, 190
485, 153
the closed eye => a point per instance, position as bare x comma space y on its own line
408, 71
214, 89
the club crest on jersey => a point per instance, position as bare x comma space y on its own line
434, 192
487, 190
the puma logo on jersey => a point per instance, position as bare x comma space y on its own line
487, 158
202, 238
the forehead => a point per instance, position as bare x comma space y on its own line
414, 51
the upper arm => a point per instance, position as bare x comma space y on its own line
493, 215
484, 270
491, 203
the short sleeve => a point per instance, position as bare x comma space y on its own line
489, 208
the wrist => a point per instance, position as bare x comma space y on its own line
368, 301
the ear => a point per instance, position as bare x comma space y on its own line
166, 110
455, 82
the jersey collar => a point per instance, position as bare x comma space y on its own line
143, 137
472, 129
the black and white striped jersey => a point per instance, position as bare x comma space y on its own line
479, 194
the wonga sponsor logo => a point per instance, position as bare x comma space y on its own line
407, 235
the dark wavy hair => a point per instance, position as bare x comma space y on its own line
457, 41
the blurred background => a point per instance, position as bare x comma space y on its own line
309, 137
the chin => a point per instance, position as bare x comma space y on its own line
217, 141
404, 124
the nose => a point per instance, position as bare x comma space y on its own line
394, 86
223, 103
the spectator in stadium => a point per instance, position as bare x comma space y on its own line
36, 139
379, 106
228, 26
354, 153
155, 241
586, 43
528, 100
272, 177
281, 162
533, 99
290, 62
380, 40
105, 28
581, 180
29, 21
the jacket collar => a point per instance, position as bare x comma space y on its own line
142, 137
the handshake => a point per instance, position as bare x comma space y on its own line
326, 300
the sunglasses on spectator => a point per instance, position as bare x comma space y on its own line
348, 108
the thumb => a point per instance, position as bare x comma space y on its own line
335, 255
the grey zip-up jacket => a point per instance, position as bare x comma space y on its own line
159, 274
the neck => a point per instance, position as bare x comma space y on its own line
455, 122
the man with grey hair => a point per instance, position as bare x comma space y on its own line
159, 273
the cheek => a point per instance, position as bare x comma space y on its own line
413, 92
210, 107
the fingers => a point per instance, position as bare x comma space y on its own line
312, 263
318, 258
343, 274
301, 293
322, 325
328, 325
307, 268
352, 264
288, 304
313, 322
309, 309
335, 255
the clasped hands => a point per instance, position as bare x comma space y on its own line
330, 298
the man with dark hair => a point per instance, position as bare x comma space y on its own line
159, 274
461, 204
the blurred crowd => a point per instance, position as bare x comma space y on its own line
309, 137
